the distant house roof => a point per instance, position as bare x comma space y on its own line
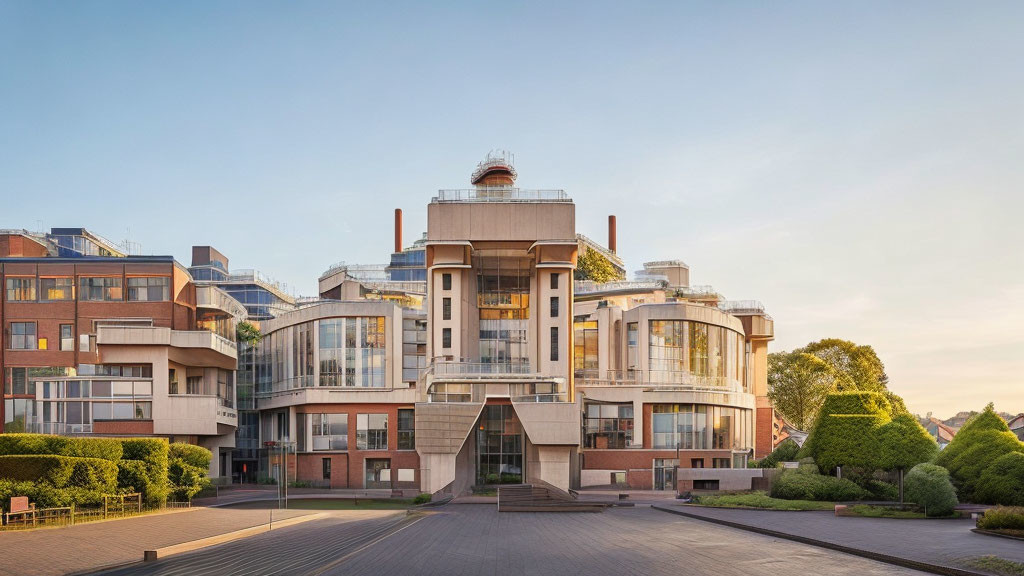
942, 432
1017, 422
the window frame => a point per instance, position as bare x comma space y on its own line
24, 284
446, 281
23, 336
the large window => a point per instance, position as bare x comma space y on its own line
328, 432
499, 446
372, 431
21, 289
503, 301
101, 289
700, 427
406, 429
149, 289
608, 425
584, 354
23, 336
67, 337
56, 289
680, 349
352, 352
18, 414
446, 309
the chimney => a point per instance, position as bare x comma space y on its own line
398, 229
611, 232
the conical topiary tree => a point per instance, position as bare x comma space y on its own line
846, 431
980, 442
903, 444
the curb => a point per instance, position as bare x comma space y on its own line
159, 553
878, 557
996, 534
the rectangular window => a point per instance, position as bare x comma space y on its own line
631, 344
554, 344
554, 306
67, 337
446, 337
149, 289
554, 281
100, 289
327, 468
446, 309
372, 431
721, 463
56, 289
406, 429
446, 281
23, 336
21, 289
608, 426
330, 431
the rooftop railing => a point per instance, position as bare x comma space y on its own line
500, 194
588, 286
743, 307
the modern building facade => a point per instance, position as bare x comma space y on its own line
100, 343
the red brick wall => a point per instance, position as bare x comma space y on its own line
763, 429
132, 427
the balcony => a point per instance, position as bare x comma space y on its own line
500, 194
191, 347
503, 300
658, 379
446, 369
477, 392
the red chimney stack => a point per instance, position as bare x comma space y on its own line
611, 233
398, 229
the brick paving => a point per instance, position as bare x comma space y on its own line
943, 542
54, 551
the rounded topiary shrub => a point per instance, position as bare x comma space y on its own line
977, 445
929, 486
1003, 481
806, 485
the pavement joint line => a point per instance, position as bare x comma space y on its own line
877, 556
164, 552
386, 534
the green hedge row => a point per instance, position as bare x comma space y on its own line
187, 470
806, 484
1002, 518
21, 444
61, 471
45, 495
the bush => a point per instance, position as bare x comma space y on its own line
421, 499
1003, 481
786, 451
61, 471
185, 480
23, 444
152, 452
929, 486
880, 490
193, 455
904, 443
807, 485
846, 432
264, 479
1002, 518
978, 444
45, 495
132, 476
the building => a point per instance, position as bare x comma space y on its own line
1016, 425
97, 342
942, 432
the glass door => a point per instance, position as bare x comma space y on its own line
665, 473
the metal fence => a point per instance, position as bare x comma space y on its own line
114, 506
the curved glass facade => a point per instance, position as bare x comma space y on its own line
679, 349
701, 427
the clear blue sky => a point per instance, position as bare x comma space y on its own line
858, 168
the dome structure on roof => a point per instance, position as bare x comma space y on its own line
495, 170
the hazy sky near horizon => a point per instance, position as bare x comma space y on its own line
858, 168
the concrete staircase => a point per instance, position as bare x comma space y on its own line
541, 498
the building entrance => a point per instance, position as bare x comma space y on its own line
665, 474
499, 446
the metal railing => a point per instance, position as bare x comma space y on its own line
669, 379
743, 307
591, 287
500, 194
477, 368
442, 392
503, 300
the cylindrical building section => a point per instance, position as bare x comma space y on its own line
611, 232
398, 229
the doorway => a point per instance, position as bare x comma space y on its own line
665, 473
499, 446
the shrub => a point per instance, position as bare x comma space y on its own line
185, 480
785, 452
45, 495
23, 444
978, 444
846, 431
806, 485
152, 452
1002, 518
880, 490
193, 455
929, 486
904, 443
61, 471
264, 479
1003, 481
132, 476
421, 499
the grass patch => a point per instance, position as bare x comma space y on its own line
330, 504
996, 565
868, 511
761, 501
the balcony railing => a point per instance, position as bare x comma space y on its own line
450, 392
500, 194
658, 379
59, 428
471, 369
515, 300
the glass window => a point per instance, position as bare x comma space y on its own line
446, 309
406, 429
100, 289
329, 431
101, 389
554, 281
446, 281
23, 336
372, 431
631, 344
554, 306
123, 410
608, 426
67, 337
143, 410
554, 344
149, 289
446, 337
56, 289
101, 411
121, 388
21, 289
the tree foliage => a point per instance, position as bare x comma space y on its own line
592, 265
1003, 481
786, 451
807, 484
853, 367
982, 440
847, 431
248, 332
904, 443
929, 487
797, 385
187, 470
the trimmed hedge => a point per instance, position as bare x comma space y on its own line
152, 452
928, 486
804, 484
45, 495
192, 455
22, 444
904, 443
786, 451
1002, 518
1003, 481
977, 445
61, 471
187, 470
846, 431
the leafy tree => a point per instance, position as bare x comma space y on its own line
928, 486
786, 451
797, 385
592, 265
248, 332
1003, 481
903, 444
854, 367
846, 432
983, 439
